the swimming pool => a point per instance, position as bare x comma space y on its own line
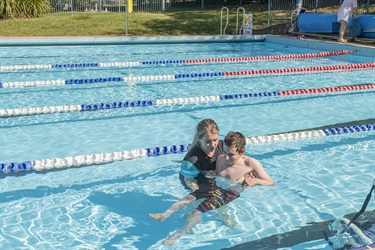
106, 205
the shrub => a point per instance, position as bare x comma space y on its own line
23, 8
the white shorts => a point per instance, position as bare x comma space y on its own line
343, 15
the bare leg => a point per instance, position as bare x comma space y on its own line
342, 30
190, 208
174, 208
193, 219
224, 216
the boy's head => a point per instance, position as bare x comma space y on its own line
236, 140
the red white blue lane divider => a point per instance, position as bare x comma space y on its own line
174, 62
103, 158
246, 73
179, 101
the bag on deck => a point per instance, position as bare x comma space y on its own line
355, 28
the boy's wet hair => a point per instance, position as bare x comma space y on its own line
237, 140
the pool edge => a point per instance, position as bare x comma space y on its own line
360, 50
69, 41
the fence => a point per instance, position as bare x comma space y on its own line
277, 9
136, 5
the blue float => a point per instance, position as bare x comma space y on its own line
324, 23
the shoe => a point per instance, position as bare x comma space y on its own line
342, 40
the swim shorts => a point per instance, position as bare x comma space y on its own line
218, 198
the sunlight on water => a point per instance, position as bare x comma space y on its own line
106, 206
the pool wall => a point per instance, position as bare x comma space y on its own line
361, 50
68, 41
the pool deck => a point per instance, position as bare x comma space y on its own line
313, 43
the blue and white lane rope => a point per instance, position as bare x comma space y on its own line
134, 79
179, 101
103, 158
173, 62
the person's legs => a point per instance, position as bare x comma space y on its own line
174, 208
342, 30
193, 219
225, 217
190, 208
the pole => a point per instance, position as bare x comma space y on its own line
129, 4
269, 13
126, 19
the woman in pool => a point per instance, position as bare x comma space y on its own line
201, 157
231, 169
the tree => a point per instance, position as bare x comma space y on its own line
23, 8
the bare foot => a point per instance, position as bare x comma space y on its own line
158, 217
168, 242
228, 220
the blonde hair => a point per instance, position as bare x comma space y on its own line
202, 128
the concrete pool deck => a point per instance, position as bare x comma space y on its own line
314, 43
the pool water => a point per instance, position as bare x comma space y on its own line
106, 206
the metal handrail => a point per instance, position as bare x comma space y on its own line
221, 20
243, 19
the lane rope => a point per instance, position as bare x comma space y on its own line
103, 158
135, 79
174, 62
179, 101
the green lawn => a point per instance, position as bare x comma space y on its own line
179, 22
187, 22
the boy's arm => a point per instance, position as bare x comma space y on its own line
260, 177
220, 165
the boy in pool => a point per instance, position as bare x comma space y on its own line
231, 168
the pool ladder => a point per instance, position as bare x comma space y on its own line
238, 32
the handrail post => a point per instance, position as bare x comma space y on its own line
269, 13
243, 18
222, 32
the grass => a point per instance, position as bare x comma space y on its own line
187, 22
182, 22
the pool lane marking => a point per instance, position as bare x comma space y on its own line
4, 113
174, 62
245, 73
104, 158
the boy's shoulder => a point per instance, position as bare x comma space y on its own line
250, 161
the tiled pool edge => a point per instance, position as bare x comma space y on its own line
361, 50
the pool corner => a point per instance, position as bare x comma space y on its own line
361, 50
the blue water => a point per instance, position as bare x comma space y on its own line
106, 206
